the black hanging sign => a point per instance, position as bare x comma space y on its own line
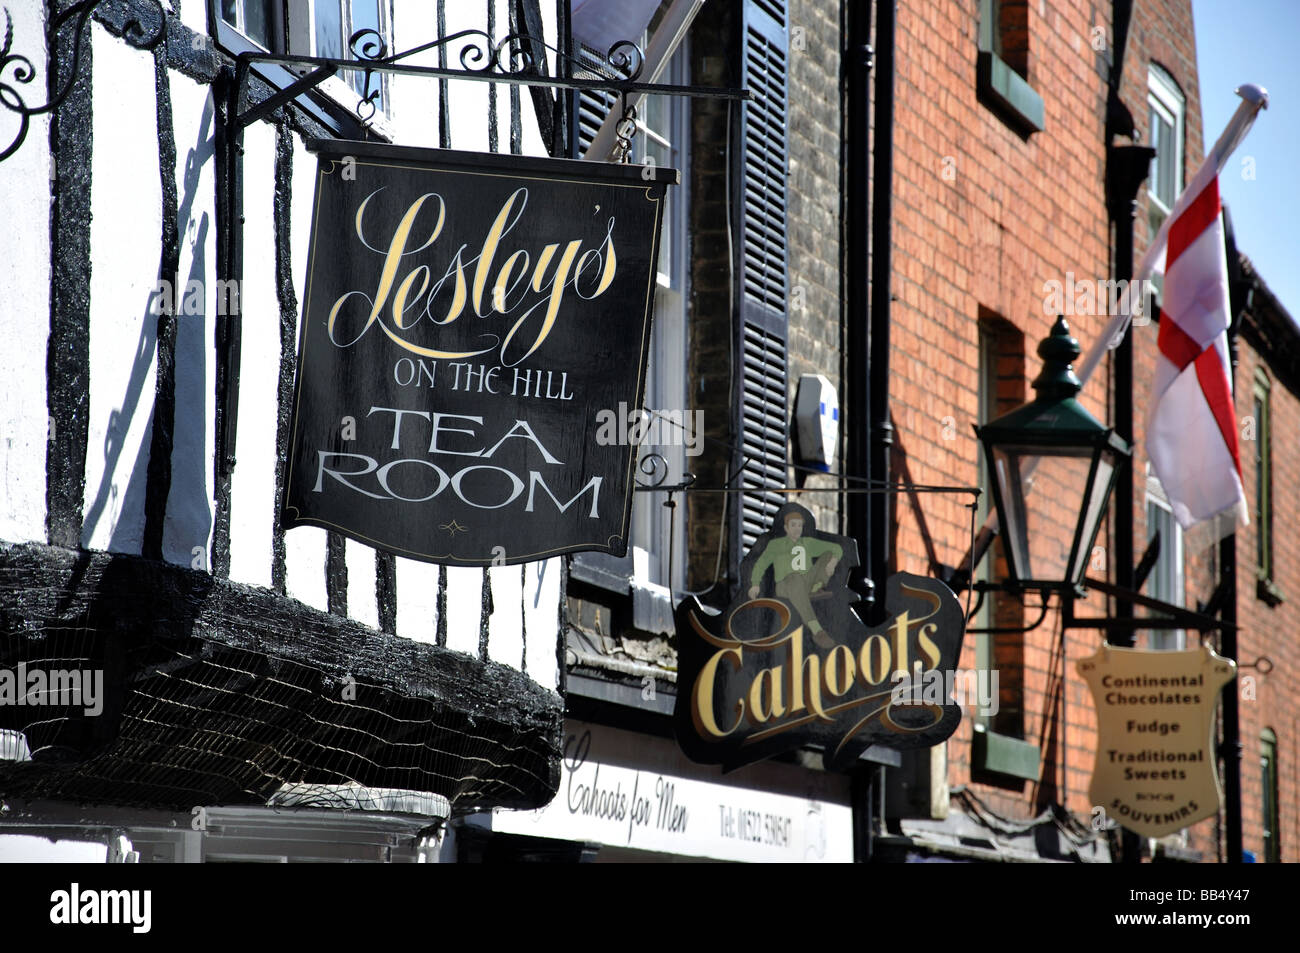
789, 663
466, 318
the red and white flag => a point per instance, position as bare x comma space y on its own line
1192, 426
1191, 432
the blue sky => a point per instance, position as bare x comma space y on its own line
1255, 41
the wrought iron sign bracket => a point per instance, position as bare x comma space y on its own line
509, 60
517, 59
16, 70
687, 486
513, 59
1263, 664
1175, 617
982, 587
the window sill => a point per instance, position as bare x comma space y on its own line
602, 571
1267, 591
1003, 89
345, 97
652, 604
332, 104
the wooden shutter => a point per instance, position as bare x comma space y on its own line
762, 280
593, 105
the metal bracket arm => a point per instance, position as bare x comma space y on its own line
1181, 618
289, 93
509, 60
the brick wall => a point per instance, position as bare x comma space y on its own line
1269, 700
984, 216
814, 215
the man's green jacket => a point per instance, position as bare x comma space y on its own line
779, 554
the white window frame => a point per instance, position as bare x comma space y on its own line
1170, 563
301, 34
653, 548
643, 572
241, 27
1166, 99
296, 28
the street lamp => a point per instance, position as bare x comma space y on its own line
1056, 447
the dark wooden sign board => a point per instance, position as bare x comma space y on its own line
790, 664
466, 318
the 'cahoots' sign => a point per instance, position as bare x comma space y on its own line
789, 663
466, 320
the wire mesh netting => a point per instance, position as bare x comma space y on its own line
129, 686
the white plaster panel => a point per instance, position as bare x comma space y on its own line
414, 111
194, 14
362, 603
304, 545
468, 101
190, 508
303, 189
304, 576
125, 247
417, 600
464, 608
25, 320
252, 485
505, 624
542, 612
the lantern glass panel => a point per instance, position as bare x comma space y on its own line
1042, 503
1096, 509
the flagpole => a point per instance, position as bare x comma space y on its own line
1253, 99
1127, 168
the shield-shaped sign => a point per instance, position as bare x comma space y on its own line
1155, 753
790, 663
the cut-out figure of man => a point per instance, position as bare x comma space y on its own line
801, 566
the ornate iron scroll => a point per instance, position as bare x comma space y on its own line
17, 71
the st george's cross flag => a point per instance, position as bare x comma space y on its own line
1192, 426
